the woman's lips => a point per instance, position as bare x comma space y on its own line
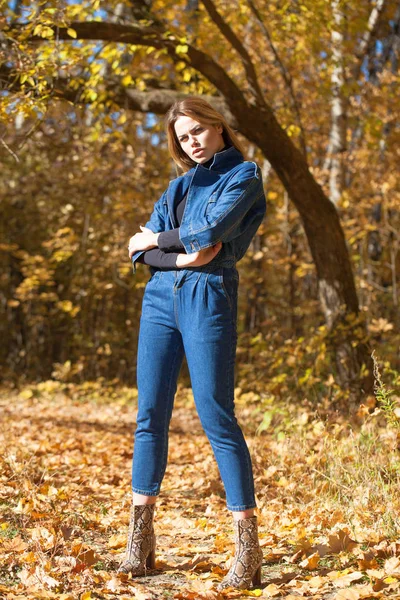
197, 150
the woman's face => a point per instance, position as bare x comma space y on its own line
198, 140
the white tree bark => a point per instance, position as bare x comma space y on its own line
337, 139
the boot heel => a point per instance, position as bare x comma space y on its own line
256, 581
151, 560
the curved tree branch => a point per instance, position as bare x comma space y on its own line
287, 78
154, 100
235, 42
157, 38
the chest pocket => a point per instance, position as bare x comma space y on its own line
211, 203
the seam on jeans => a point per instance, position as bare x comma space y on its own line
224, 290
175, 303
249, 492
231, 371
166, 421
250, 481
176, 309
250, 478
155, 278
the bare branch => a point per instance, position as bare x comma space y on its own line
9, 150
287, 78
235, 42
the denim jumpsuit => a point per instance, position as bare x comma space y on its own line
192, 312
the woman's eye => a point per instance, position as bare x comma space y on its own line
185, 138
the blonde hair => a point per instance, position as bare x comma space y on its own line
202, 111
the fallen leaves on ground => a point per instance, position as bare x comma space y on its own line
65, 497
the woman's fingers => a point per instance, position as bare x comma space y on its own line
144, 240
132, 245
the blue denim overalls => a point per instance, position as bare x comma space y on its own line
193, 312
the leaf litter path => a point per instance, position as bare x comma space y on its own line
65, 497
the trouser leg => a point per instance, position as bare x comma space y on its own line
210, 346
160, 355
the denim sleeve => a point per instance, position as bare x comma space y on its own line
155, 223
224, 221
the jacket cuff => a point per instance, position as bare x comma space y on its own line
134, 259
199, 241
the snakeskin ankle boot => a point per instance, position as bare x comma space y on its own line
246, 568
141, 544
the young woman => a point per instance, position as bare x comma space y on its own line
199, 229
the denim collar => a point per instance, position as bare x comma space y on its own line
222, 161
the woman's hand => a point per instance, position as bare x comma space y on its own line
142, 241
197, 259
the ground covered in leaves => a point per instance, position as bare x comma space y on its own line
327, 493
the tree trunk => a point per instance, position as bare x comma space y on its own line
255, 119
337, 138
336, 287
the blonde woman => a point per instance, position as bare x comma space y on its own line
199, 229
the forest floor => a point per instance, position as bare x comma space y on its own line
327, 495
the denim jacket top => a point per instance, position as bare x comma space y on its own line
225, 202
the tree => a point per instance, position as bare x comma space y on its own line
232, 85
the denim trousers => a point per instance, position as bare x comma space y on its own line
192, 313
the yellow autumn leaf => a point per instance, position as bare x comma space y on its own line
317, 581
346, 580
311, 562
390, 579
46, 32
117, 540
127, 80
272, 590
348, 594
181, 49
